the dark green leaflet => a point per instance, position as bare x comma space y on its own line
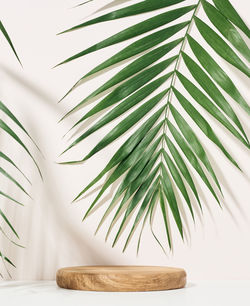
126, 124
228, 10
209, 106
125, 105
164, 214
193, 141
226, 29
151, 206
178, 180
203, 125
191, 157
207, 84
8, 238
133, 180
135, 200
143, 207
220, 46
133, 187
135, 9
128, 121
136, 66
182, 167
125, 89
142, 166
133, 49
170, 196
152, 211
124, 151
217, 73
135, 30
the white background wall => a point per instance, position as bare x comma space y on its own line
50, 228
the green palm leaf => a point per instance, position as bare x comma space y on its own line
135, 48
131, 69
124, 106
156, 157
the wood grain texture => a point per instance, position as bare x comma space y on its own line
121, 278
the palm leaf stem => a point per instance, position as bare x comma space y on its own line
177, 64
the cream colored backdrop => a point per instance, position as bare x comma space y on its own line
217, 246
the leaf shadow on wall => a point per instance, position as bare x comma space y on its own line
46, 226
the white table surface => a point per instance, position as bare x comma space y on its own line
217, 293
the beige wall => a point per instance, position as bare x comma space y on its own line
50, 227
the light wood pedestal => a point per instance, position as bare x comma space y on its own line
121, 278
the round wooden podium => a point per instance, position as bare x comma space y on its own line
121, 278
